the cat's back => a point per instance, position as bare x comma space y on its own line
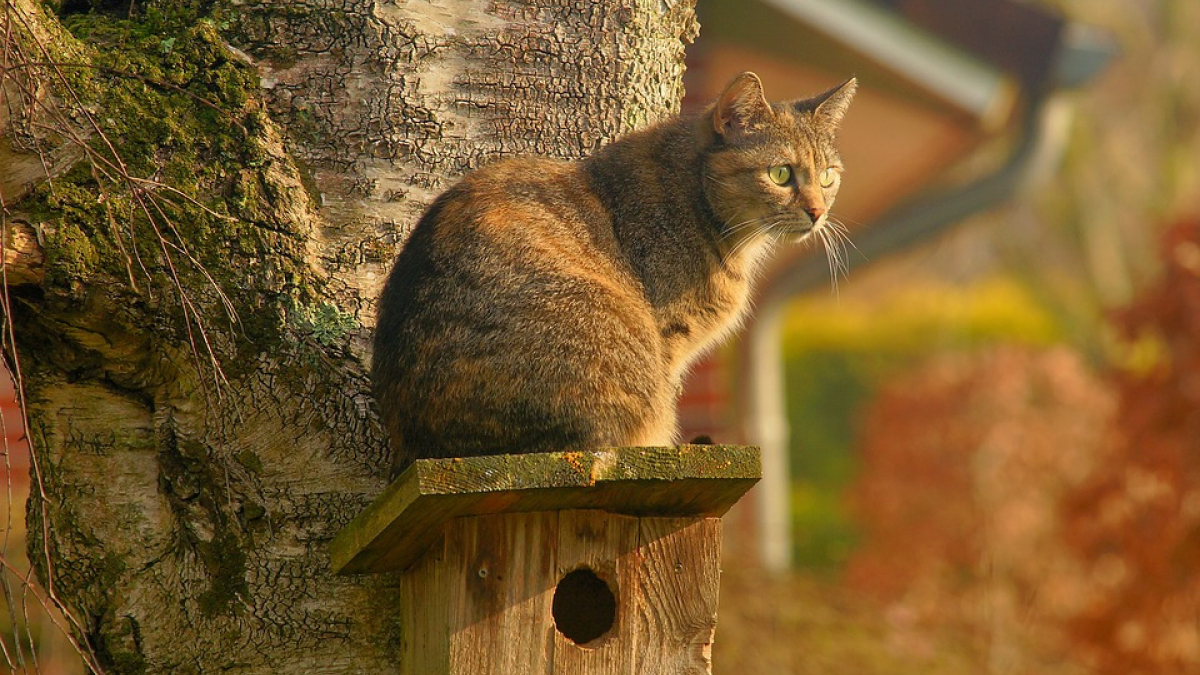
505, 228
515, 201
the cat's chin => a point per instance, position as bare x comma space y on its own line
796, 235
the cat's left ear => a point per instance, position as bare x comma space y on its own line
830, 107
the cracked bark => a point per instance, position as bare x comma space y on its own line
188, 522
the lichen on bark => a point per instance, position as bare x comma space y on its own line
194, 359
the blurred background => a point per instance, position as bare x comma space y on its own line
982, 444
982, 440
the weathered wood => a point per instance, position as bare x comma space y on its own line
498, 595
678, 582
24, 259
690, 480
422, 649
603, 543
25, 111
480, 602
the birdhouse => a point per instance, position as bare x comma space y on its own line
603, 561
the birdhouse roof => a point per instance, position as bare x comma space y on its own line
400, 525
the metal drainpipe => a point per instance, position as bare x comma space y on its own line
766, 414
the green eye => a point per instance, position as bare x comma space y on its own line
827, 177
781, 174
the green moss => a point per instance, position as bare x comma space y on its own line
70, 253
200, 206
324, 322
119, 644
225, 559
192, 479
253, 511
250, 461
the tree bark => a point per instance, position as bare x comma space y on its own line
194, 355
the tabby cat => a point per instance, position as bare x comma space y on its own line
545, 305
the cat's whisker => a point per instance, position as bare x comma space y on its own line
835, 241
842, 218
838, 241
840, 227
830, 259
737, 245
758, 227
842, 241
740, 228
744, 225
718, 181
730, 229
741, 245
833, 270
843, 233
765, 227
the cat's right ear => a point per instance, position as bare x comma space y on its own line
740, 107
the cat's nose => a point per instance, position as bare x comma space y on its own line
815, 212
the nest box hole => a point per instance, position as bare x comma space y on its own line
584, 606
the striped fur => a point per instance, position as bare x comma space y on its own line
544, 305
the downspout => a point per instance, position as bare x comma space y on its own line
765, 418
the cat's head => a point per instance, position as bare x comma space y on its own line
772, 169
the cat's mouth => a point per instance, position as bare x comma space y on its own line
798, 232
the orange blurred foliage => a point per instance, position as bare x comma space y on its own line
1051, 512
1138, 522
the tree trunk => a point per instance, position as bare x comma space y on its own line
193, 345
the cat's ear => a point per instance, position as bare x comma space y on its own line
741, 106
830, 107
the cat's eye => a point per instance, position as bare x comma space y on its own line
827, 177
781, 174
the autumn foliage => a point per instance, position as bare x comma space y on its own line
967, 462
1139, 520
1051, 512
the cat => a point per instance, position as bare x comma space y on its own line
544, 305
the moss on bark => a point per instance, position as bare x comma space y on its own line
191, 521
188, 190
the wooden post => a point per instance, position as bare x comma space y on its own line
599, 562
